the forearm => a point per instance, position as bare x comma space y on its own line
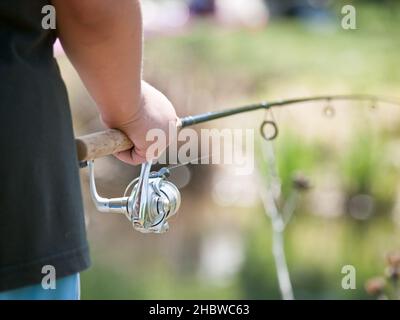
103, 40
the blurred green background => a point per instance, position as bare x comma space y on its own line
219, 249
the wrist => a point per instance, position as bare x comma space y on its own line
123, 117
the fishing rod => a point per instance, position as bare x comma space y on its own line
154, 199
205, 117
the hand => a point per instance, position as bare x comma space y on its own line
155, 111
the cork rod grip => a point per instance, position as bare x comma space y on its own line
100, 144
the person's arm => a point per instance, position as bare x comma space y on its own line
103, 40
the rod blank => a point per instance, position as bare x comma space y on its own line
111, 141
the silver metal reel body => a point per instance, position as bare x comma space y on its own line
152, 201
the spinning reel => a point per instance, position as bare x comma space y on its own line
152, 201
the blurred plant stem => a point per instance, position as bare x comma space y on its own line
270, 196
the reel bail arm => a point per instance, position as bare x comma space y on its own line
116, 205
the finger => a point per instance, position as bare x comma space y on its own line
137, 158
130, 157
124, 156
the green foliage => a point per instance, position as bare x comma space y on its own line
362, 163
294, 156
106, 281
286, 59
257, 278
366, 169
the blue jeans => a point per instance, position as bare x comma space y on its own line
67, 288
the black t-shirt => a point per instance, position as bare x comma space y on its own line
41, 212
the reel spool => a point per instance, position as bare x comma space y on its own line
153, 200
